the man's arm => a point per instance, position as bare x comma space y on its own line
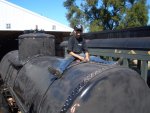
85, 49
87, 56
77, 56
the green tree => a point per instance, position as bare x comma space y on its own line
97, 15
136, 15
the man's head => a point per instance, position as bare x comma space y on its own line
78, 29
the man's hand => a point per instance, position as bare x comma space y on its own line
81, 58
87, 56
87, 59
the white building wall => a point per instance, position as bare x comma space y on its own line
13, 17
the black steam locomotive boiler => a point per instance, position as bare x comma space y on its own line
83, 88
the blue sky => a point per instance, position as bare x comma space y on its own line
52, 9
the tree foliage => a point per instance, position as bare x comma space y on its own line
97, 15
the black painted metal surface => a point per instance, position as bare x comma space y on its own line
121, 43
34, 44
138, 32
83, 88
